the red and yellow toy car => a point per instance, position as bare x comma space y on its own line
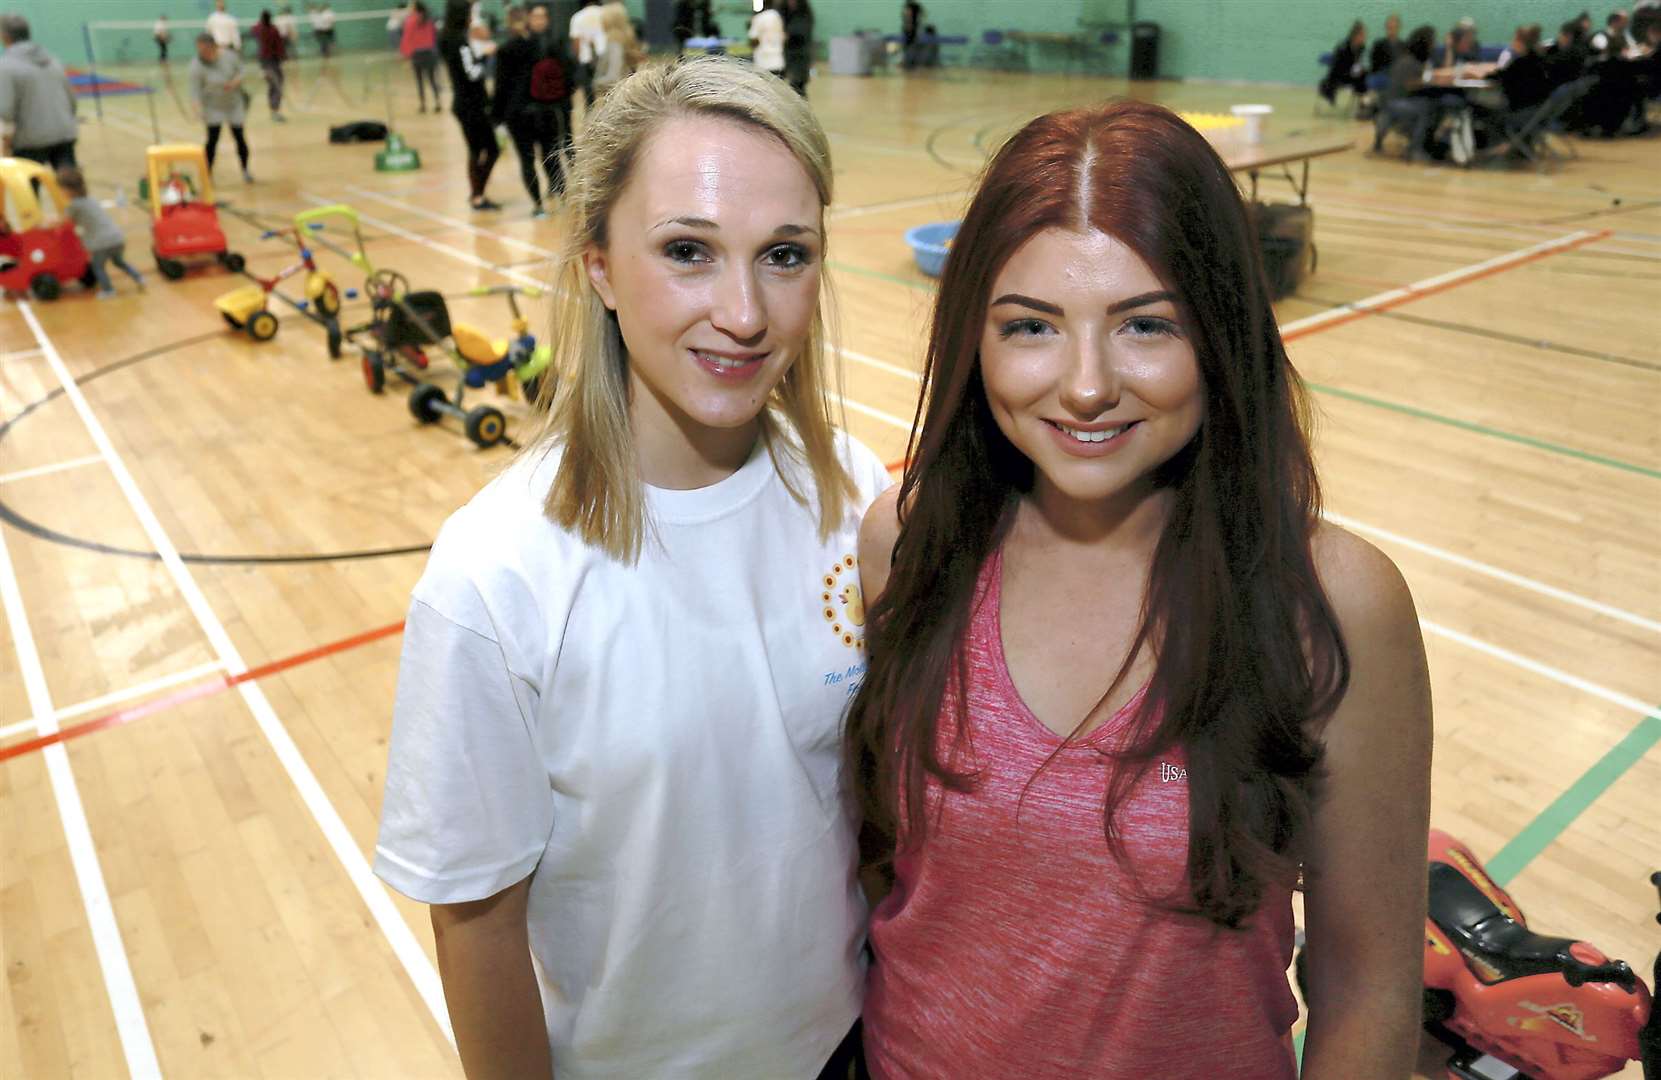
38, 251
184, 223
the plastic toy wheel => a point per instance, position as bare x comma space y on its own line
262, 326
424, 403
45, 286
486, 425
233, 261
374, 373
328, 301
171, 269
335, 338
88, 279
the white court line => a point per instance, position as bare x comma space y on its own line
454, 253
1348, 310
839, 213
130, 1025
369, 887
21, 354
1614, 697
875, 414
454, 223
47, 470
1640, 621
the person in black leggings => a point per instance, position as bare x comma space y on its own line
534, 81
469, 98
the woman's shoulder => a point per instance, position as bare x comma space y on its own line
1366, 591
502, 537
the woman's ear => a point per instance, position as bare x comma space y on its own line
598, 268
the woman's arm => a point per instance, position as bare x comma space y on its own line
1364, 907
484, 958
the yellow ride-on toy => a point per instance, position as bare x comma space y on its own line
404, 324
248, 307
184, 222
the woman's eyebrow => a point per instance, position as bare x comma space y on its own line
705, 223
1027, 301
1147, 298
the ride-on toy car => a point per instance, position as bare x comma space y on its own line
38, 252
404, 324
248, 307
1517, 1005
184, 224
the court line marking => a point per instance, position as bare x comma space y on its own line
116, 697
21, 354
47, 470
1430, 286
130, 1026
477, 230
1544, 670
1473, 565
839, 213
398, 934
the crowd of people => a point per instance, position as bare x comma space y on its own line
1615, 71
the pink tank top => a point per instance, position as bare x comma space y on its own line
1013, 944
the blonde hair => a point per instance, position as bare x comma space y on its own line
597, 491
619, 31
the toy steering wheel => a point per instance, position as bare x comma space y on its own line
386, 285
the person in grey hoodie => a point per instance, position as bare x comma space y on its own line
216, 90
37, 104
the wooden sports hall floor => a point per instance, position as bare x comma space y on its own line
188, 893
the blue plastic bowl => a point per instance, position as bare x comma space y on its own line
928, 245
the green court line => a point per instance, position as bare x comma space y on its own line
1480, 429
847, 268
1549, 824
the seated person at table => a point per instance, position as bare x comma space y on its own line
1347, 68
1400, 104
1519, 45
1461, 46
1525, 81
1611, 41
1566, 58
1387, 48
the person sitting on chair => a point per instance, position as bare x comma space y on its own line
1387, 48
1400, 104
1348, 67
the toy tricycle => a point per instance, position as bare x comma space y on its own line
184, 222
248, 308
404, 324
37, 255
1517, 1005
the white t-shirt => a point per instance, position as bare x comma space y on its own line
322, 19
287, 26
659, 744
588, 33
223, 26
767, 29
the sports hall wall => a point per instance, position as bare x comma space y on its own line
1251, 40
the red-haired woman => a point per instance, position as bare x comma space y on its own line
1124, 684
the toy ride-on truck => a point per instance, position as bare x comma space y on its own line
249, 307
184, 224
38, 252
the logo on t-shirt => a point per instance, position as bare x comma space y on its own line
844, 606
1169, 773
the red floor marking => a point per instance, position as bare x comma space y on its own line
206, 688
220, 683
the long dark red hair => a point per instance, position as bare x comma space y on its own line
1248, 655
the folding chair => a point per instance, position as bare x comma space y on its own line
1529, 131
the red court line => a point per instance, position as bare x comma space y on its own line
218, 684
206, 688
1410, 294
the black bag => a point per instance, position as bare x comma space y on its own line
359, 131
1286, 237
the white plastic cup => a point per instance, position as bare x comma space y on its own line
1256, 118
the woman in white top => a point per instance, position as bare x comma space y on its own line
615, 739
767, 38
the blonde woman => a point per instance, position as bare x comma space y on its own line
621, 54
614, 746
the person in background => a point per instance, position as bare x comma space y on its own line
622, 51
1400, 99
226, 31
1348, 67
588, 40
37, 102
1387, 48
217, 95
289, 27
465, 47
1523, 76
162, 34
798, 44
911, 26
1524, 41
1566, 58
273, 50
395, 26
99, 234
533, 98
767, 38
322, 19
1461, 46
420, 46
684, 18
